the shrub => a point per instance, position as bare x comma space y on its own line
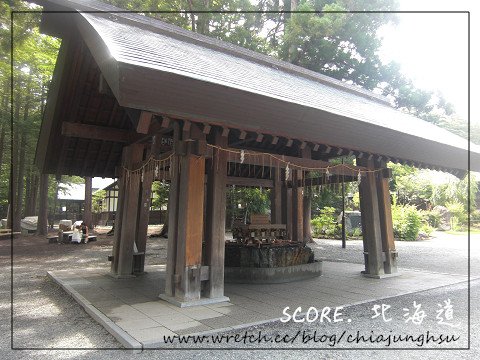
407, 221
459, 215
426, 229
432, 218
325, 224
475, 218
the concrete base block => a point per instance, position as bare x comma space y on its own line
274, 275
199, 302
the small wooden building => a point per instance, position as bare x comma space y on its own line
138, 99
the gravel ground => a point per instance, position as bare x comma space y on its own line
443, 253
46, 317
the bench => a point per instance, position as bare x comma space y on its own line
7, 233
67, 238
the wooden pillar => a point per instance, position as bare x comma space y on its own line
215, 219
297, 206
118, 218
87, 212
190, 227
173, 215
186, 218
287, 204
386, 222
372, 238
126, 219
307, 217
143, 217
307, 204
276, 198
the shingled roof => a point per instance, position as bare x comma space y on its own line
150, 65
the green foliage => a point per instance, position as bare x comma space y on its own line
34, 57
97, 198
407, 221
411, 186
160, 198
244, 201
340, 45
325, 224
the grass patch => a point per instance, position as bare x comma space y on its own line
465, 232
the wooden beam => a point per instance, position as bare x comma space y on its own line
321, 181
165, 122
206, 129
225, 131
144, 122
245, 181
98, 133
186, 126
103, 87
304, 162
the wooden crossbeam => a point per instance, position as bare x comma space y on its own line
245, 181
234, 157
99, 133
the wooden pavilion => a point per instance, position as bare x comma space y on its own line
138, 99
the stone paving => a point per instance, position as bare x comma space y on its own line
131, 310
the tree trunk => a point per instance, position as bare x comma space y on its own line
20, 184
13, 171
34, 193
2, 144
203, 19
87, 213
42, 224
31, 193
28, 192
55, 202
